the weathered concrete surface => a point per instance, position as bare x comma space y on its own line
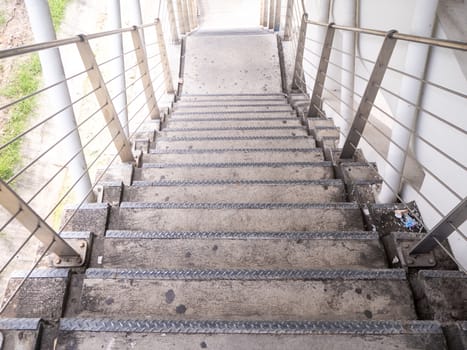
233, 115
238, 107
346, 253
286, 172
240, 123
248, 300
285, 131
270, 220
236, 193
228, 156
150, 341
19, 339
297, 142
232, 98
231, 64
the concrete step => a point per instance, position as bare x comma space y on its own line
231, 108
233, 142
234, 115
144, 334
273, 295
20, 333
235, 171
235, 155
242, 250
216, 191
226, 123
270, 217
260, 101
235, 132
232, 97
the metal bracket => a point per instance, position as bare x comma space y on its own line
99, 191
81, 247
416, 260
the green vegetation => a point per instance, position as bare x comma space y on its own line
2, 18
25, 81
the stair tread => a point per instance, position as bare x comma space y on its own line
331, 191
242, 216
248, 294
239, 123
240, 251
236, 132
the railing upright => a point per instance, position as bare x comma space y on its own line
277, 19
320, 79
271, 14
297, 83
264, 14
119, 137
172, 22
181, 18
369, 96
169, 87
145, 76
288, 20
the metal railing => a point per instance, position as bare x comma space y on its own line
375, 116
33, 196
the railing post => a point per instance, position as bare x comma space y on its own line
194, 13
189, 5
271, 14
277, 20
120, 140
181, 20
186, 17
318, 88
264, 18
369, 96
145, 76
288, 20
169, 88
443, 229
35, 224
172, 22
298, 69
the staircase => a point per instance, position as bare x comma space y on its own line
234, 233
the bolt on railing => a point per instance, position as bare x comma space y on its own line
321, 103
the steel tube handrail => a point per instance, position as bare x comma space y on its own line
450, 44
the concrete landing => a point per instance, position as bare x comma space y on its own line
218, 64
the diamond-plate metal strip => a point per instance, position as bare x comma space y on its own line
235, 112
237, 128
42, 273
230, 138
200, 105
363, 236
176, 119
236, 165
75, 235
323, 182
20, 324
442, 274
252, 327
247, 275
246, 150
152, 205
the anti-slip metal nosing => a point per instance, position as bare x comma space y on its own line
242, 128
332, 236
175, 183
42, 273
247, 275
20, 324
152, 205
442, 274
76, 235
230, 138
351, 328
259, 105
233, 95
244, 150
236, 165
220, 101
290, 111
180, 120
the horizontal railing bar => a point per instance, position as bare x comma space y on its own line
450, 44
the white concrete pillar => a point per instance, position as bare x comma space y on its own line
53, 73
117, 66
415, 64
318, 11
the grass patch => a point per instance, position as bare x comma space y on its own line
25, 81
2, 18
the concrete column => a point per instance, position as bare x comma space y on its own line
53, 72
347, 17
118, 65
318, 11
136, 16
411, 89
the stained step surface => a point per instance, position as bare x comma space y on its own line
237, 171
189, 123
235, 131
248, 294
236, 192
244, 217
242, 250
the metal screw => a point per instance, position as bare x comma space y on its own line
82, 245
79, 260
410, 261
431, 261
406, 245
58, 261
